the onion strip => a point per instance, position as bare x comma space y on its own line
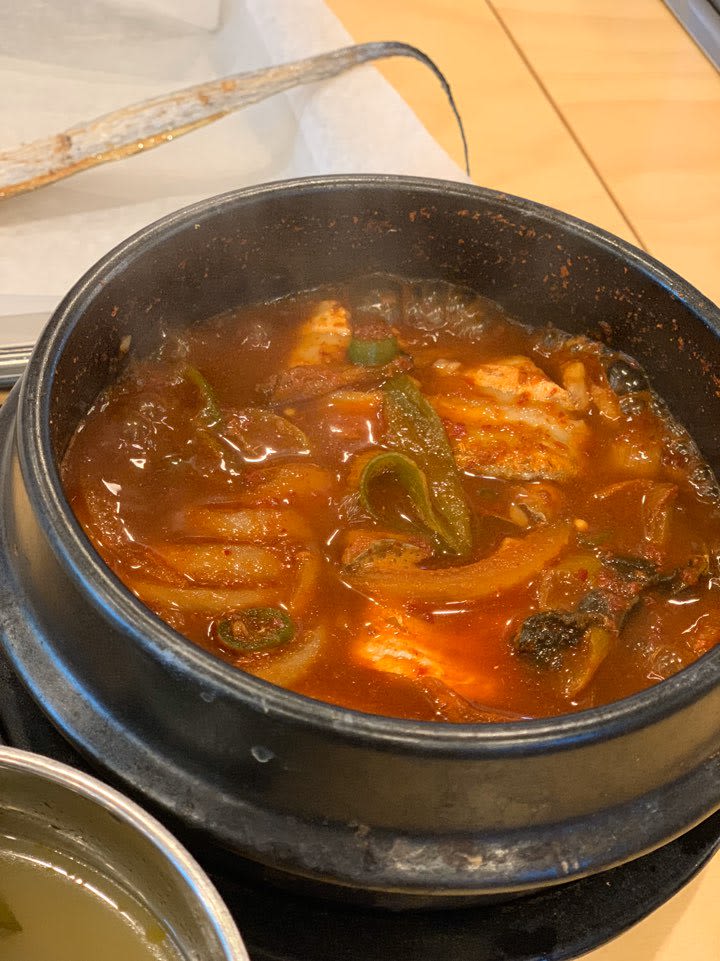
222, 565
287, 668
245, 524
515, 562
201, 600
308, 565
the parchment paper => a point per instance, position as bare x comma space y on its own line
63, 61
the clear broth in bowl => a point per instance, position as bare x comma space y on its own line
55, 908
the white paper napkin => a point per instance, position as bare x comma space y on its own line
62, 62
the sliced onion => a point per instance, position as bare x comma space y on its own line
288, 483
453, 707
288, 668
516, 561
308, 570
259, 434
222, 565
201, 600
245, 524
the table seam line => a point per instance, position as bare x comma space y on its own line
566, 124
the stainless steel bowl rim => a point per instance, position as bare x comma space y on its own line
144, 824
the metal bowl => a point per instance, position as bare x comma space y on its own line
49, 803
391, 811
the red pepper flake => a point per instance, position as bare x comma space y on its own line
454, 429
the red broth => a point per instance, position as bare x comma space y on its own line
393, 497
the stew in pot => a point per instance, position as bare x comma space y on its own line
393, 497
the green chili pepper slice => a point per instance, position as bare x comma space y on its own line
256, 629
406, 473
415, 430
210, 413
209, 419
372, 353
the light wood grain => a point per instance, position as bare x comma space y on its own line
645, 104
518, 143
605, 109
686, 928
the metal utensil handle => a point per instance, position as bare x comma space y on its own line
13, 361
151, 123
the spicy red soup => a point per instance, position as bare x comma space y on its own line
392, 497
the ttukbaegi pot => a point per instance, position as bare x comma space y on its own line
395, 812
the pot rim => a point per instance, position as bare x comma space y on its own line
115, 602
201, 888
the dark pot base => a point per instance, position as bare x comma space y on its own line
558, 923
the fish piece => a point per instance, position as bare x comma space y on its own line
323, 338
308, 381
515, 380
318, 363
513, 445
568, 647
507, 419
397, 643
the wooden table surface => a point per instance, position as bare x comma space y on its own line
603, 108
606, 109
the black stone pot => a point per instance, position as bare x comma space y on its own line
393, 812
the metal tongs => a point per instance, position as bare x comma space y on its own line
151, 123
